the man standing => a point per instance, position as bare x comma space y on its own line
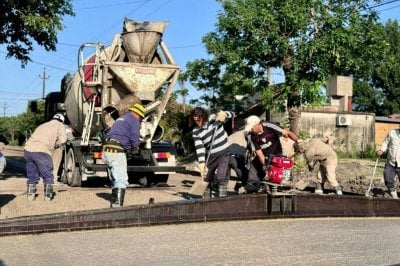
211, 140
318, 151
391, 144
264, 142
37, 153
124, 136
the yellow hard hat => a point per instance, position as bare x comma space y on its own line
139, 109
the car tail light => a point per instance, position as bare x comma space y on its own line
162, 155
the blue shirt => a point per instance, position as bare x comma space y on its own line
126, 130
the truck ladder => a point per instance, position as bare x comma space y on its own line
88, 123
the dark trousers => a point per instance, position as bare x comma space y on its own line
256, 172
39, 164
238, 164
389, 174
219, 165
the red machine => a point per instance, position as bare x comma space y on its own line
280, 169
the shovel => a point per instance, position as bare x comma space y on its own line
372, 178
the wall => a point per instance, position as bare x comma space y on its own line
382, 127
355, 137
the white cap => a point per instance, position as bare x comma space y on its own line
251, 121
59, 117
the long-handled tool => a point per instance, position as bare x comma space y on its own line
200, 186
372, 179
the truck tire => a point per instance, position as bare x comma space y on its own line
73, 176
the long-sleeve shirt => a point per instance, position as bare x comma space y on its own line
203, 135
47, 137
316, 150
391, 144
126, 130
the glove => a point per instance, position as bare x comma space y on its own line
221, 116
203, 170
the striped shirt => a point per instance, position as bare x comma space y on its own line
203, 135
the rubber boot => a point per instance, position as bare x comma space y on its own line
117, 197
393, 193
207, 193
31, 192
318, 189
223, 190
48, 192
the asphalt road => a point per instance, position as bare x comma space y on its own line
327, 241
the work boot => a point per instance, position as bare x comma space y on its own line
393, 193
117, 197
48, 192
238, 185
207, 193
31, 192
223, 190
318, 189
338, 191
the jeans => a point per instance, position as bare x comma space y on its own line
389, 173
39, 164
117, 169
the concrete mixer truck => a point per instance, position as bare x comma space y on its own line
136, 68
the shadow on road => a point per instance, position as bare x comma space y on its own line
5, 199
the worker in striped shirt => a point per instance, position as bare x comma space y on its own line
212, 147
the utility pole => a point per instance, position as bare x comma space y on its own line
184, 93
44, 81
4, 109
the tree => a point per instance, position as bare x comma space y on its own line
386, 77
23, 22
308, 40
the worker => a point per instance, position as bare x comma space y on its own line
3, 161
264, 143
123, 137
211, 140
391, 145
37, 153
317, 151
237, 158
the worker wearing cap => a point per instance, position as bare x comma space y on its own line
123, 136
37, 153
316, 150
264, 142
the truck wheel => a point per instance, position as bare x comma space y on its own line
73, 176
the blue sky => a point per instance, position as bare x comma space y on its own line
99, 21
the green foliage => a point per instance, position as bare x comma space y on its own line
308, 40
17, 129
26, 21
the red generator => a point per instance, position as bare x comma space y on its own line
280, 169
